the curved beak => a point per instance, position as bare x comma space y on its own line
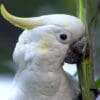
75, 51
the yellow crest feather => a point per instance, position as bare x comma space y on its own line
24, 23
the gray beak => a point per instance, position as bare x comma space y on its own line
75, 52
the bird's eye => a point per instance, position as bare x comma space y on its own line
64, 36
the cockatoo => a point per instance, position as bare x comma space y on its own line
40, 53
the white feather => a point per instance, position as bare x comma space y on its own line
40, 55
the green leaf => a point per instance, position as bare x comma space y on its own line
97, 83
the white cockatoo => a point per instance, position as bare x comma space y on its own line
40, 53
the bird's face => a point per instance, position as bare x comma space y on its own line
49, 42
46, 36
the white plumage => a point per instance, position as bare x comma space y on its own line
40, 52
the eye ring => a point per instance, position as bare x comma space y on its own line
64, 36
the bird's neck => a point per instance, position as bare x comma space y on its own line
44, 83
43, 76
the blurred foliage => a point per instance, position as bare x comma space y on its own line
97, 83
39, 7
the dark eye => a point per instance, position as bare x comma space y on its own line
63, 36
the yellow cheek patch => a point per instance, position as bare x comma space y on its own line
43, 47
45, 44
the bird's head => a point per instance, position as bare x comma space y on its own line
44, 37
